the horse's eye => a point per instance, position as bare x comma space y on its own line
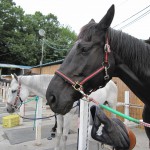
84, 50
13, 91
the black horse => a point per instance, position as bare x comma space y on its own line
99, 54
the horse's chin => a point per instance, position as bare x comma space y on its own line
62, 110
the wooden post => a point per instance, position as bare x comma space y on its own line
83, 126
38, 122
4, 92
1, 88
0, 72
126, 101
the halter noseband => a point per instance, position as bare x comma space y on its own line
105, 65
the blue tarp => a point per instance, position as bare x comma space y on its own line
14, 66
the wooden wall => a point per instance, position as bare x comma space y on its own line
46, 69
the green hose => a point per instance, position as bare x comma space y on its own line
120, 114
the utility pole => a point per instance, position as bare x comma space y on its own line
42, 34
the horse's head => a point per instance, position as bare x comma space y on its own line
89, 62
16, 94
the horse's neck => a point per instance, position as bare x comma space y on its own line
139, 88
132, 69
36, 84
132, 52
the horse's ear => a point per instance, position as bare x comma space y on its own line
107, 19
15, 76
12, 76
92, 21
147, 41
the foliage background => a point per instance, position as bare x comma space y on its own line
20, 42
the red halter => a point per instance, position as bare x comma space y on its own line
105, 65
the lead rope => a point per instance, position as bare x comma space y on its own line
115, 111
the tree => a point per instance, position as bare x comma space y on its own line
9, 16
20, 42
60, 45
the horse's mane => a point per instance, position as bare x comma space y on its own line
132, 50
30, 73
36, 81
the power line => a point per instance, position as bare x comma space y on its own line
52, 43
48, 44
135, 20
131, 16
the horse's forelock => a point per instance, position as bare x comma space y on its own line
87, 31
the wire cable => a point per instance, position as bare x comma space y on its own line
52, 46
131, 16
135, 20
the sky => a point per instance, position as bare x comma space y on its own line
77, 13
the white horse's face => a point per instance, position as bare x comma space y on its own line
15, 93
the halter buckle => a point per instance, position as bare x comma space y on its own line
106, 77
106, 65
77, 86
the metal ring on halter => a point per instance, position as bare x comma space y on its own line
106, 77
107, 65
107, 48
77, 86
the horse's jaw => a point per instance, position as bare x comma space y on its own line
62, 111
62, 108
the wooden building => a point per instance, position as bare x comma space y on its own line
48, 68
7, 69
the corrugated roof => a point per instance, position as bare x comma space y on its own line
14, 66
50, 63
29, 67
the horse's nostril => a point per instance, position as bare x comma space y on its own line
52, 99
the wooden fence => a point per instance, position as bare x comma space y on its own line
136, 111
4, 90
